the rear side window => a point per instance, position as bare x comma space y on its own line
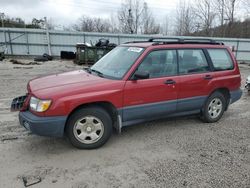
192, 61
221, 59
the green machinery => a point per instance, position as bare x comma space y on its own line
90, 54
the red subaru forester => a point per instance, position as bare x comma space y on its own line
134, 83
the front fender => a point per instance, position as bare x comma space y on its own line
65, 105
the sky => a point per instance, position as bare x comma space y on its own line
63, 12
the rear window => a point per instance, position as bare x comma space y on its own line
221, 59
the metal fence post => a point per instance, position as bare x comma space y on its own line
237, 49
119, 42
48, 36
5, 39
11, 49
27, 42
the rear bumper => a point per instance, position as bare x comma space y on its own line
235, 95
43, 126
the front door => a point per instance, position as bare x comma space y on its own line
156, 96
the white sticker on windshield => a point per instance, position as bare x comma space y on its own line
135, 49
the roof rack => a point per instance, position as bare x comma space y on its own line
142, 41
176, 40
184, 41
161, 39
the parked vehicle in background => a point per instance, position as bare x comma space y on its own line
134, 83
247, 86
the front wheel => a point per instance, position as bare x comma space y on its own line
214, 107
89, 128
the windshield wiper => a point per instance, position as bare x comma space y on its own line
88, 70
97, 72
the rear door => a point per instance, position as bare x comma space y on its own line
225, 68
195, 76
157, 95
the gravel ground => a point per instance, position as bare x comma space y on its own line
181, 152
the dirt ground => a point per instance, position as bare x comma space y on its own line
181, 152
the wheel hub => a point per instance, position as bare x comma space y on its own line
215, 108
88, 129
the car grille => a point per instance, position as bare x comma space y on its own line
17, 103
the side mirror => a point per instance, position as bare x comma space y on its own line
140, 75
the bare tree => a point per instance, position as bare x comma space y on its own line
51, 24
114, 23
85, 24
165, 29
184, 19
219, 7
246, 4
230, 6
148, 22
89, 24
205, 15
102, 25
130, 16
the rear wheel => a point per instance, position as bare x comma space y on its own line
214, 107
89, 128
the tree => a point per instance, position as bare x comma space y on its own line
114, 23
148, 22
102, 25
205, 15
130, 16
165, 29
246, 3
89, 24
230, 6
7, 21
219, 7
184, 19
86, 24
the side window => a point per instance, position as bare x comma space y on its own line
160, 63
192, 61
221, 59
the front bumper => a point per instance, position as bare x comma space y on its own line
43, 126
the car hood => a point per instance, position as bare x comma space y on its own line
63, 79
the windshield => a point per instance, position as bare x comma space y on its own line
117, 62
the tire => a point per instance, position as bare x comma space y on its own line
49, 57
214, 107
89, 128
40, 59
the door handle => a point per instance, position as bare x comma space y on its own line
169, 82
208, 77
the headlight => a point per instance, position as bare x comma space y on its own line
39, 105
